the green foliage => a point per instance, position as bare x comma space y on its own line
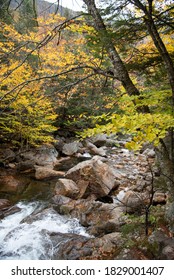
4, 12
149, 127
27, 19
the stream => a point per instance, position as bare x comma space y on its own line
36, 231
23, 237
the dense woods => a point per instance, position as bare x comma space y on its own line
114, 62
108, 69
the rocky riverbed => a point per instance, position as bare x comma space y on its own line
104, 201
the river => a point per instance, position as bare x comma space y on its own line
26, 234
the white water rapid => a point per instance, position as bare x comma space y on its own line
26, 234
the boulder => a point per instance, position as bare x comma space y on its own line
11, 183
75, 247
71, 148
159, 198
99, 140
149, 153
6, 156
96, 151
163, 245
59, 143
7, 209
45, 155
98, 177
133, 202
63, 205
100, 218
45, 172
67, 188
170, 216
25, 166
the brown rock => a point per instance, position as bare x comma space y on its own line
45, 172
4, 203
99, 176
67, 187
85, 248
9, 184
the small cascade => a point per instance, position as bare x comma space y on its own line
26, 234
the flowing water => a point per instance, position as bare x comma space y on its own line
26, 234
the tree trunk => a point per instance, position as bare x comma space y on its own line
158, 42
119, 69
153, 32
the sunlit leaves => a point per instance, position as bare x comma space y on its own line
149, 127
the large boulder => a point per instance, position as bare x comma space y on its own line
67, 188
45, 155
75, 247
46, 172
99, 218
98, 177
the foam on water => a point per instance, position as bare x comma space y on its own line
31, 240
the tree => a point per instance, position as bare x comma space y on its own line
4, 11
26, 114
149, 11
119, 69
27, 19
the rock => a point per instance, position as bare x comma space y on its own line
96, 151
149, 153
71, 148
11, 184
84, 248
7, 209
98, 217
7, 156
25, 166
59, 143
99, 176
163, 245
63, 205
61, 200
132, 254
133, 202
43, 156
99, 140
67, 187
4, 204
45, 172
170, 216
159, 198
11, 210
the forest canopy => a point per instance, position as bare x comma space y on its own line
107, 69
